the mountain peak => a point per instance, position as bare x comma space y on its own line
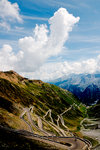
11, 75
14, 77
11, 72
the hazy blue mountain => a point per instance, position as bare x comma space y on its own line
85, 86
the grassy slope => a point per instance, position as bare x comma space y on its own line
93, 111
17, 92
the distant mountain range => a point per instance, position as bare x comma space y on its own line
85, 86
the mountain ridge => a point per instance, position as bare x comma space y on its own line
80, 84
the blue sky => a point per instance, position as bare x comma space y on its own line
84, 40
86, 35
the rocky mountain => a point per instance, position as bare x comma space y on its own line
85, 86
32, 108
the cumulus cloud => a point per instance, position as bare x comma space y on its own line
8, 12
45, 42
60, 25
51, 71
7, 58
5, 25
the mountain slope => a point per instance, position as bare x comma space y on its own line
38, 113
47, 108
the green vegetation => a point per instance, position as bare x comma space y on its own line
93, 111
18, 93
21, 92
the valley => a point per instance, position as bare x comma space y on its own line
63, 138
42, 113
85, 86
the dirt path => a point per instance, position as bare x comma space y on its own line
40, 125
74, 143
32, 124
53, 126
60, 118
53, 144
48, 112
66, 110
68, 143
60, 131
22, 117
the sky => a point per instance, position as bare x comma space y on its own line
50, 39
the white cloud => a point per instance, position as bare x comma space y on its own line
35, 50
34, 18
4, 25
60, 26
51, 71
7, 58
44, 43
9, 12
